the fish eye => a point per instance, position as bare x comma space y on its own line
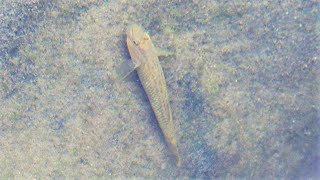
135, 42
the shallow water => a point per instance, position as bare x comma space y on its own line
243, 84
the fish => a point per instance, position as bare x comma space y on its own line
144, 57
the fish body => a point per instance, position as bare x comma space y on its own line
145, 59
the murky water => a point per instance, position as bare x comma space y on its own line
243, 85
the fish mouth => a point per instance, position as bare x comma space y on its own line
131, 28
131, 37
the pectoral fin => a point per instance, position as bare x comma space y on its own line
124, 69
164, 52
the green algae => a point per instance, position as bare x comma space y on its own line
214, 87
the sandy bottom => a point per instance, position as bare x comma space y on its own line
243, 84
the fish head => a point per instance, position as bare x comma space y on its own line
139, 44
138, 36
